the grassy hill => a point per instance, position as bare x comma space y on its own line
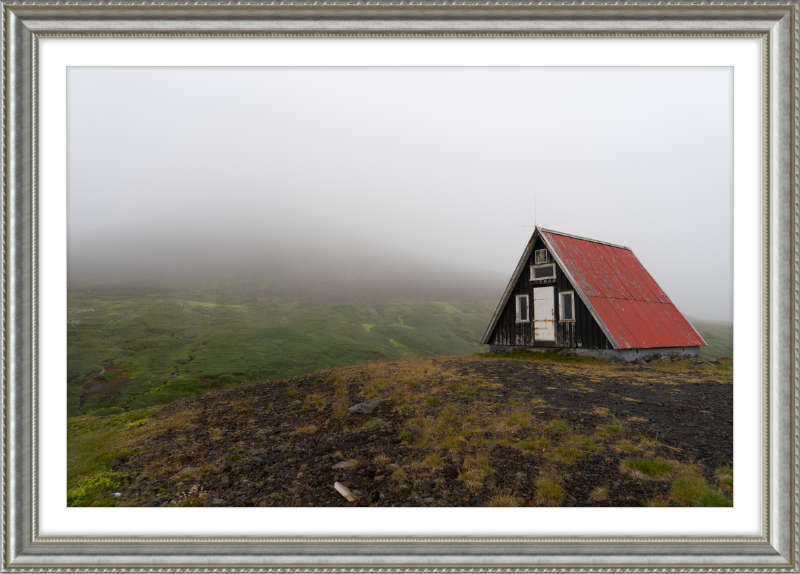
127, 352
175, 308
132, 352
719, 337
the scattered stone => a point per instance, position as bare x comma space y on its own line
414, 430
364, 408
122, 457
114, 463
266, 464
187, 470
344, 491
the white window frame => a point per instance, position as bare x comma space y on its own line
546, 256
561, 306
527, 308
551, 278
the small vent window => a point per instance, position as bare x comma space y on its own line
567, 305
522, 309
541, 256
543, 272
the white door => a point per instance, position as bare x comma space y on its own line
543, 314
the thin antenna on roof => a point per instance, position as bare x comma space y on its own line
534, 214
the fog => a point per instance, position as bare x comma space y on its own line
426, 179
319, 265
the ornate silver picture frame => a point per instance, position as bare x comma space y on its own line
776, 24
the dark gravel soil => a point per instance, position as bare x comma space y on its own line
267, 444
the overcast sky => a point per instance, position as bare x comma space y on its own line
445, 162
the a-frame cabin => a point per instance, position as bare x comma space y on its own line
587, 295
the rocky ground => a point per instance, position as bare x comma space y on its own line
472, 431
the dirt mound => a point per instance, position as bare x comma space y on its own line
447, 432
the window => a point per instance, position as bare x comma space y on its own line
566, 305
522, 309
546, 272
541, 256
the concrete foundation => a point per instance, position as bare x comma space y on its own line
512, 348
606, 354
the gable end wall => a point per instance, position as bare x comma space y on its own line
585, 329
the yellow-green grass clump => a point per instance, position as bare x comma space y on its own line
538, 444
93, 490
307, 430
549, 489
557, 427
474, 470
725, 477
649, 468
599, 493
316, 400
691, 489
433, 461
503, 500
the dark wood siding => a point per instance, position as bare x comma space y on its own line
583, 332
508, 331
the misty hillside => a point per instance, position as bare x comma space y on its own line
175, 308
263, 258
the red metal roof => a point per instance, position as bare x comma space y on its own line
630, 306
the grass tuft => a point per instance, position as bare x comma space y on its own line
503, 500
691, 489
557, 427
649, 467
725, 476
535, 445
93, 490
316, 400
549, 489
599, 493
474, 470
434, 461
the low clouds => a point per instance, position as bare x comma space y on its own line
435, 163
